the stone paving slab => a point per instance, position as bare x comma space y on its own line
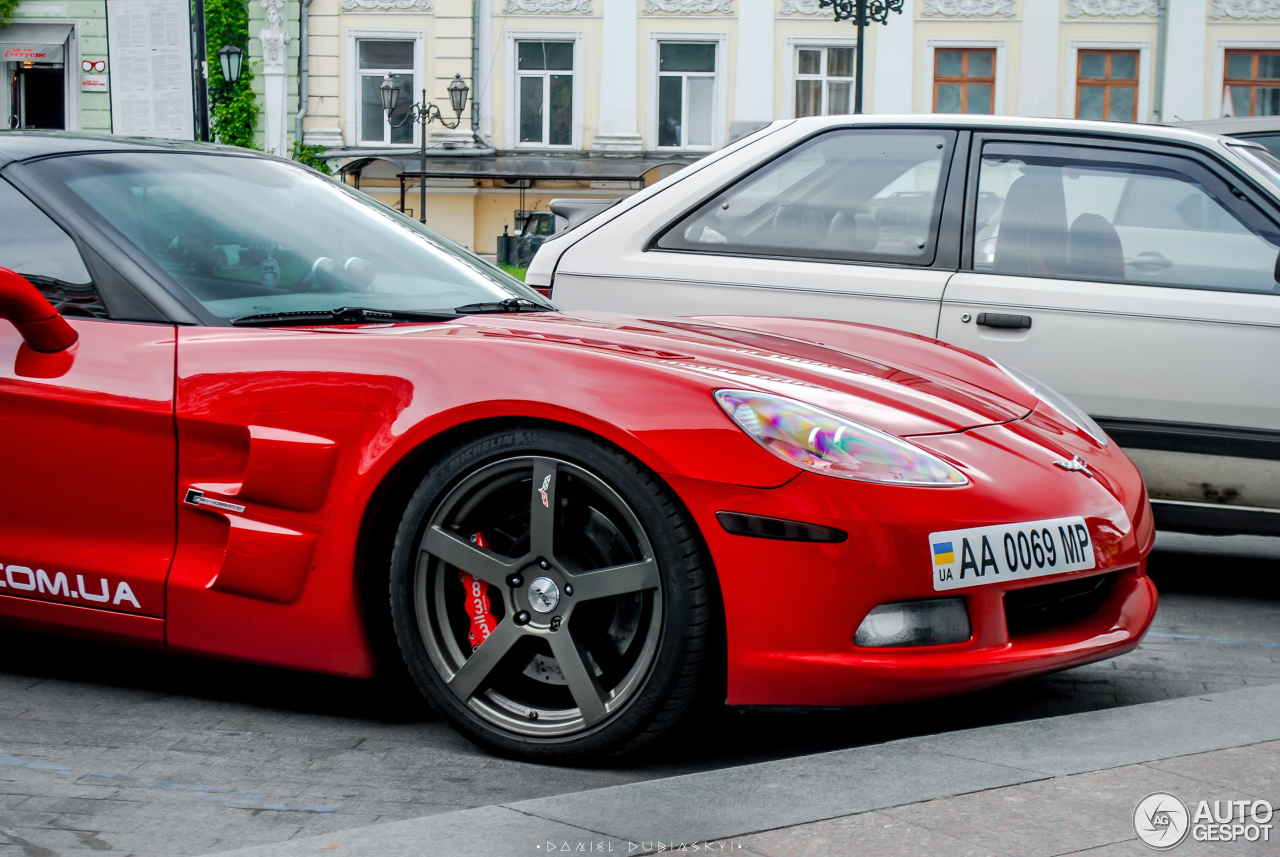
1032, 789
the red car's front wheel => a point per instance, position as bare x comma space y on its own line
549, 597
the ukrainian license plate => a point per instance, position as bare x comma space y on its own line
982, 555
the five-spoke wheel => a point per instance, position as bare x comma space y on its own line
546, 591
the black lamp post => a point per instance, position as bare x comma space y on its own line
425, 113
230, 58
862, 13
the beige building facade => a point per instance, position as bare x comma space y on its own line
599, 97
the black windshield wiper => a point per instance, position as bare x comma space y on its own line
341, 315
505, 305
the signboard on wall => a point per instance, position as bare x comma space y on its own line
149, 45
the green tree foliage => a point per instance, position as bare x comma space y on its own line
312, 156
7, 8
227, 23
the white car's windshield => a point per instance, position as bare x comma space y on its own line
250, 236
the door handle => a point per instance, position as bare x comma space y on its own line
1004, 320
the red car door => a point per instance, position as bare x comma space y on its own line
87, 451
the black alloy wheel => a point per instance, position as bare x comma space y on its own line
549, 596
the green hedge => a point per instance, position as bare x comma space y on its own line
227, 23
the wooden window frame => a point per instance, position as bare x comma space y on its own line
1108, 83
1250, 83
964, 80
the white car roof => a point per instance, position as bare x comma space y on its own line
1155, 133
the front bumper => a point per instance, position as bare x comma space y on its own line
792, 608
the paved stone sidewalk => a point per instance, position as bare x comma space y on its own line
1080, 814
1033, 789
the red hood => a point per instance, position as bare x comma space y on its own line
897, 382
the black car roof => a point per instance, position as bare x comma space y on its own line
25, 145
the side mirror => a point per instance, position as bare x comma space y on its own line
42, 328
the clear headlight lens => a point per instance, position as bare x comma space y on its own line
820, 441
1058, 402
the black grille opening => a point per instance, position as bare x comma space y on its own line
1038, 607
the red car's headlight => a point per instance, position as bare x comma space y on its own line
825, 443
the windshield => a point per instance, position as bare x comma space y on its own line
249, 236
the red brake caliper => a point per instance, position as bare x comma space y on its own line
482, 621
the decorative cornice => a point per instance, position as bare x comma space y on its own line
1255, 9
802, 7
691, 7
549, 6
1113, 8
387, 5
968, 8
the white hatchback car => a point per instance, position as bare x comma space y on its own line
1131, 267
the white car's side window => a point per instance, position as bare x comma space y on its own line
862, 195
1123, 222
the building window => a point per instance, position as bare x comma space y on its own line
1252, 84
377, 58
544, 78
686, 94
824, 81
1107, 85
964, 80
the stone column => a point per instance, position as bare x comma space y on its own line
619, 89
275, 79
1185, 61
1039, 78
895, 62
753, 89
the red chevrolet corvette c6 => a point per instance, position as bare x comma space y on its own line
246, 412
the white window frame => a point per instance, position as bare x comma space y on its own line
511, 115
418, 37
1219, 71
797, 43
1142, 46
721, 41
931, 46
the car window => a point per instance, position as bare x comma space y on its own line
38, 249
1127, 222
861, 195
541, 225
1270, 141
251, 236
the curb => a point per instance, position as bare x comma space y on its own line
732, 802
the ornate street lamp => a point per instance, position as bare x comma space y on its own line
230, 59
425, 113
862, 13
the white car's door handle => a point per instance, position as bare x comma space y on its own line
1004, 320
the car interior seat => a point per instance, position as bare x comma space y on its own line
855, 231
1094, 249
1033, 226
796, 225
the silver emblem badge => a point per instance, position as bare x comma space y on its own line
1077, 464
544, 595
